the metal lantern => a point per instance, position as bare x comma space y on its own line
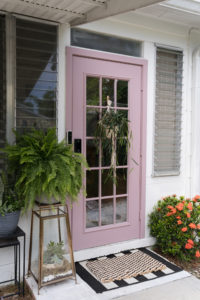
50, 254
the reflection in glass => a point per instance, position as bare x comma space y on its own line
92, 183
122, 93
121, 210
121, 187
106, 211
106, 157
92, 91
92, 213
92, 119
107, 183
121, 154
92, 153
36, 73
107, 90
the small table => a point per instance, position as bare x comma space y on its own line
13, 241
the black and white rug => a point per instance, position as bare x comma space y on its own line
99, 287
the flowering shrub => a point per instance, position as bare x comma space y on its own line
175, 223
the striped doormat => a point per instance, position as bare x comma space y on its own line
123, 269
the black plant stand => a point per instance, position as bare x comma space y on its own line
13, 241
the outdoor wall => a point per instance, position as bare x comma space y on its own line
6, 256
149, 31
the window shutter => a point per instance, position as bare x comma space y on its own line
36, 75
168, 106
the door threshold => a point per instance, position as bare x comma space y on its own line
112, 248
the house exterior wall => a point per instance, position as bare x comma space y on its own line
150, 32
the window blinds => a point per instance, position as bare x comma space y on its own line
167, 142
36, 75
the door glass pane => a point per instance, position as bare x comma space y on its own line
122, 93
121, 210
106, 183
106, 157
92, 183
122, 154
121, 187
92, 91
92, 119
107, 90
92, 213
92, 153
106, 211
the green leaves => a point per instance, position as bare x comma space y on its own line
113, 132
175, 223
54, 253
45, 166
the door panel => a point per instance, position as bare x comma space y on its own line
110, 212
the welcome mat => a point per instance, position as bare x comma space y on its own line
123, 269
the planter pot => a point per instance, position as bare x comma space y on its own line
43, 200
8, 223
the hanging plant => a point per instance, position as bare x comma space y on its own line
113, 129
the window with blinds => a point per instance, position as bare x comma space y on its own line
36, 75
2, 88
167, 143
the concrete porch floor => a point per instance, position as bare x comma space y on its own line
179, 286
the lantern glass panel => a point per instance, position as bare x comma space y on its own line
56, 262
35, 247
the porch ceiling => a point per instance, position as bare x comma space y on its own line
75, 12
185, 12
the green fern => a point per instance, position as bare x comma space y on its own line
45, 166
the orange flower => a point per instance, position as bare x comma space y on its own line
198, 226
184, 229
172, 212
190, 242
179, 222
183, 201
192, 226
169, 214
188, 215
158, 209
178, 217
197, 254
188, 246
180, 206
196, 198
189, 206
170, 207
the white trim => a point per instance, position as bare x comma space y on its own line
165, 46
10, 77
112, 248
34, 19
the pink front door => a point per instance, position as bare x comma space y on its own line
110, 212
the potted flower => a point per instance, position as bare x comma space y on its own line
46, 169
10, 205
